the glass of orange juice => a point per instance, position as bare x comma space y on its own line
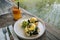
16, 13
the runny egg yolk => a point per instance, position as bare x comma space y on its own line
32, 27
33, 19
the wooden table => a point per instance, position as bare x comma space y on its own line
51, 32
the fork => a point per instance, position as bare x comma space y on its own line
4, 32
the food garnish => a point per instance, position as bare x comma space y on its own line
30, 26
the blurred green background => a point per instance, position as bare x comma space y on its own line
48, 10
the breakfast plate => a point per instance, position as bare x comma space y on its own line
20, 31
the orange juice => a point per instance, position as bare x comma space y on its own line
16, 13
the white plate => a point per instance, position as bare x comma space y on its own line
20, 32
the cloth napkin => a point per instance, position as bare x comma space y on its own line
2, 36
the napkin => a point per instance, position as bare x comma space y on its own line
2, 36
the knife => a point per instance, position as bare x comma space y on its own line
10, 35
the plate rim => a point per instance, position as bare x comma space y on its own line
31, 38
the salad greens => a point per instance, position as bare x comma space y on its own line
24, 24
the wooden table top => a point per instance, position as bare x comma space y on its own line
51, 32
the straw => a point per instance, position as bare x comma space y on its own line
18, 4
